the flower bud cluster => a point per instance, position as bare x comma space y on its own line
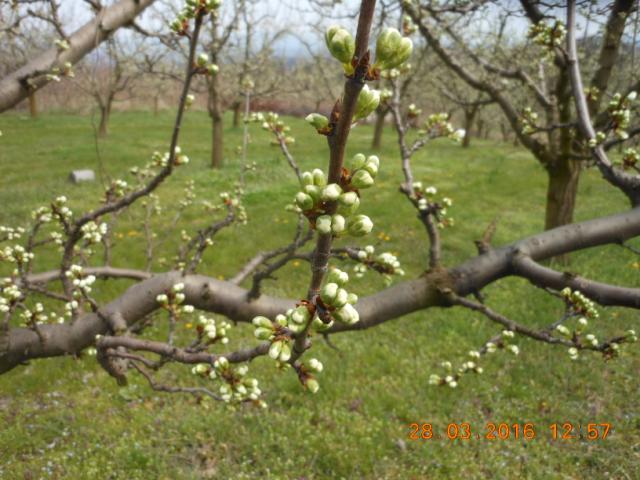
60, 210
342, 46
548, 36
10, 233
392, 49
17, 255
191, 8
162, 160
81, 283
385, 263
173, 299
306, 373
619, 109
316, 197
529, 121
10, 294
428, 204
117, 189
212, 331
237, 386
630, 158
271, 122
335, 303
34, 316
408, 27
368, 101
580, 304
438, 125
92, 232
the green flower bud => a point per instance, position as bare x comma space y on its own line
392, 49
285, 353
275, 349
368, 101
313, 191
318, 177
372, 165
304, 201
261, 321
338, 224
296, 327
306, 178
341, 298
362, 179
263, 333
360, 225
348, 203
319, 326
300, 315
357, 161
352, 298
312, 385
323, 224
340, 44
337, 276
213, 69
347, 314
281, 320
315, 365
317, 120
329, 292
331, 192
202, 59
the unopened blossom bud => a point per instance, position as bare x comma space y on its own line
347, 314
337, 276
434, 379
367, 102
263, 333
352, 298
573, 353
313, 191
360, 225
357, 161
329, 292
632, 96
304, 201
392, 49
275, 349
315, 365
341, 298
348, 203
221, 363
202, 59
300, 315
372, 165
583, 322
318, 177
213, 69
331, 192
285, 353
281, 320
323, 224
212, 4
188, 101
340, 44
338, 224
306, 178
563, 330
362, 179
261, 321
319, 326
317, 120
312, 385
514, 349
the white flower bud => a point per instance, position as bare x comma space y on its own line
331, 192
360, 225
323, 224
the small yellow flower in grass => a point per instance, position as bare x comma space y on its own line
387, 238
296, 263
188, 325
220, 277
133, 233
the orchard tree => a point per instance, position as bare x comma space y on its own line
547, 124
67, 49
328, 207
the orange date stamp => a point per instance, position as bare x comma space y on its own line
510, 431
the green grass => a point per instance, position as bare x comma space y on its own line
65, 418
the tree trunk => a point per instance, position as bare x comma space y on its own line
561, 192
105, 113
469, 117
236, 113
378, 129
33, 105
217, 124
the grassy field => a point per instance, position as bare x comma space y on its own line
65, 418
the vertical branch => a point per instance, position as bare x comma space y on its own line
337, 145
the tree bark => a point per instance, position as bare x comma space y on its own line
105, 114
33, 104
217, 123
562, 189
376, 144
469, 117
236, 113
